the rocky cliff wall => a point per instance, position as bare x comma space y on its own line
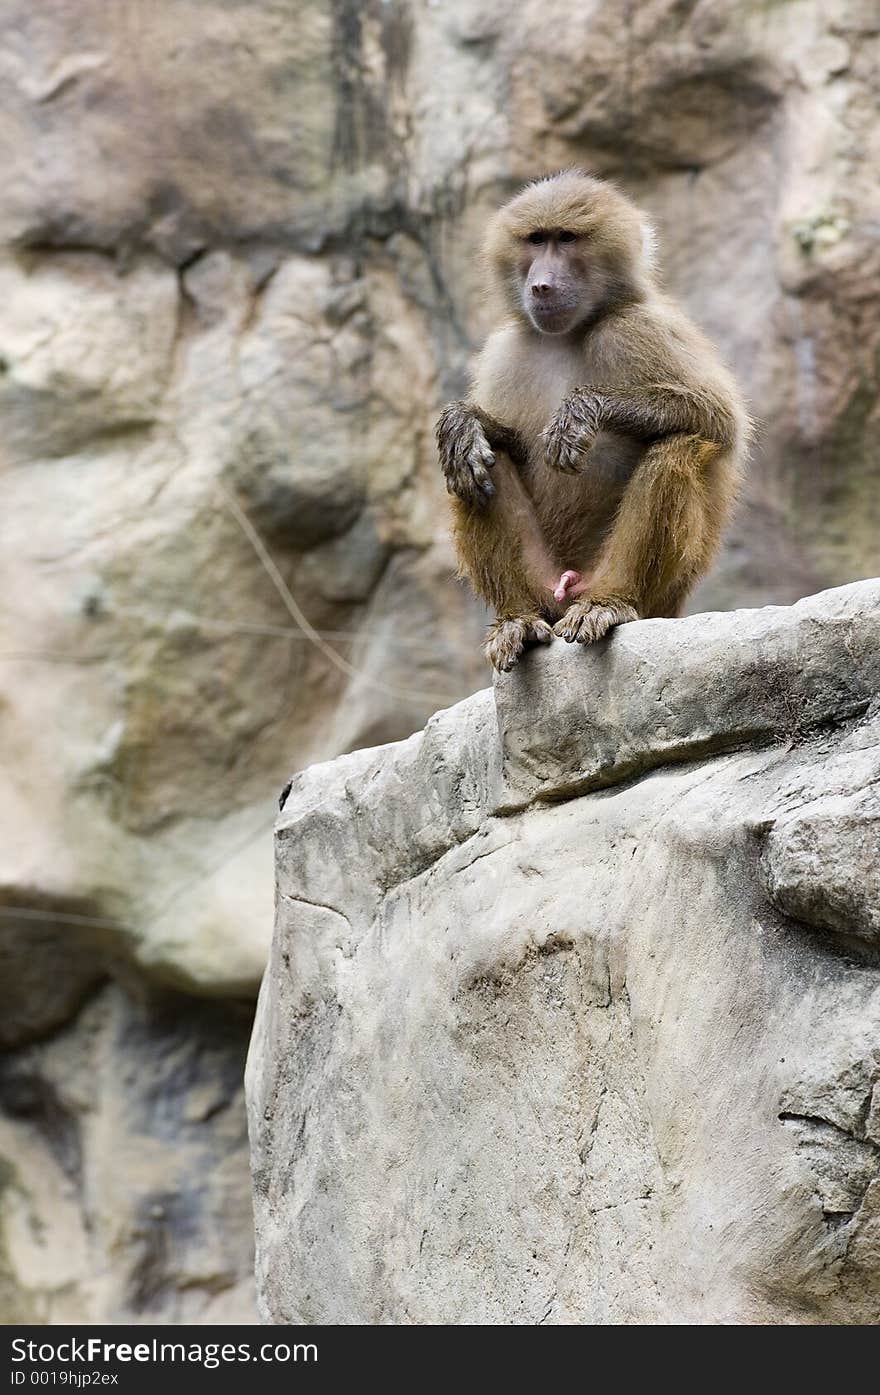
573, 1006
237, 281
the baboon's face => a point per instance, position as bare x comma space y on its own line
555, 275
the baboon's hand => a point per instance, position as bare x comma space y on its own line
591, 617
465, 454
571, 433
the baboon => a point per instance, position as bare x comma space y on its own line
595, 463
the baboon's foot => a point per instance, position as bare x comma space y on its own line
591, 617
506, 639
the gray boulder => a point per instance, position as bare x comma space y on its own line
573, 1006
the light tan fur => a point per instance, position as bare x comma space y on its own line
612, 445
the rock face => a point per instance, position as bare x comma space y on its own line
573, 1006
237, 282
121, 1182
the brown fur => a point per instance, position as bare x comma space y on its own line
612, 445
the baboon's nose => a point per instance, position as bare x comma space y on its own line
541, 289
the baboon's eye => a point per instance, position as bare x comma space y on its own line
537, 238
566, 236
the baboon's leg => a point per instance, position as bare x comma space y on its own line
502, 552
663, 537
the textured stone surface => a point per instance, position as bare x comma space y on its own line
123, 1182
573, 1005
241, 269
237, 281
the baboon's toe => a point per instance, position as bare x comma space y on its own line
588, 621
507, 639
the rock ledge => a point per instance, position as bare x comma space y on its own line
573, 1007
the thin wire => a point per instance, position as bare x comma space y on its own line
300, 620
204, 622
65, 917
303, 629
208, 871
